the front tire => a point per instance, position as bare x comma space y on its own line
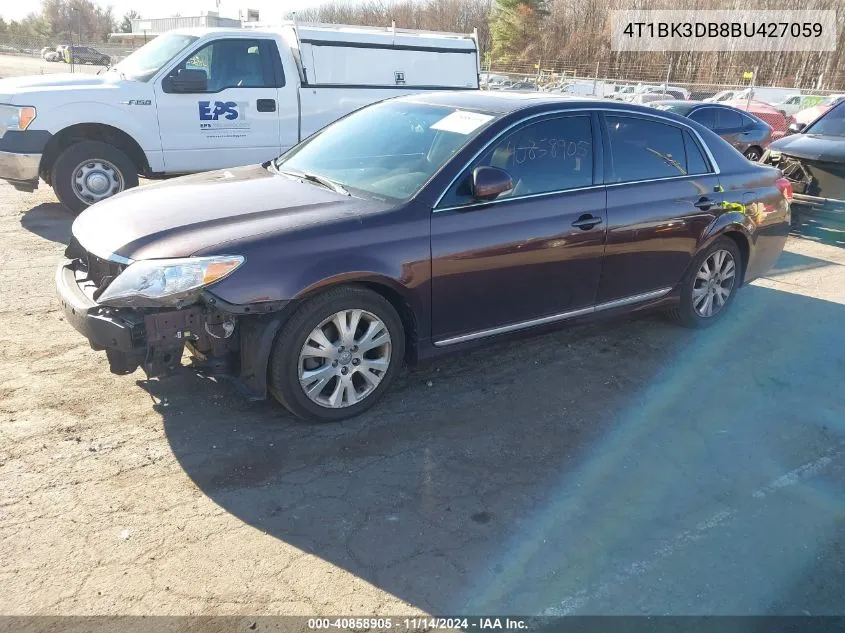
337, 355
90, 171
709, 288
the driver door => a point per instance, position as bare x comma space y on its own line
234, 121
533, 253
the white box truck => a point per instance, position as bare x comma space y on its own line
200, 99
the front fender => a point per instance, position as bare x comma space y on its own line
138, 121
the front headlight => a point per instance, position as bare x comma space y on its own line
15, 118
167, 282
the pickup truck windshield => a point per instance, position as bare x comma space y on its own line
387, 150
147, 60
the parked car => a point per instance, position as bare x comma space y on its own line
765, 94
418, 226
743, 130
520, 85
674, 92
724, 95
768, 113
814, 161
193, 100
804, 117
642, 98
87, 55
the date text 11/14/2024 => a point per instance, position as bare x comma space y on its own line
420, 624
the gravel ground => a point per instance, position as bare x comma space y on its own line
628, 466
16, 65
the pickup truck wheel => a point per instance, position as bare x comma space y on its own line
337, 354
90, 171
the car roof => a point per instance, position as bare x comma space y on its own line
495, 102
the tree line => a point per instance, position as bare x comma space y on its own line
526, 36
66, 21
574, 36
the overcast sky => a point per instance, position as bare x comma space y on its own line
271, 10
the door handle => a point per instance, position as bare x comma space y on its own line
266, 105
704, 203
586, 222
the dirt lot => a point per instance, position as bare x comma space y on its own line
16, 65
624, 467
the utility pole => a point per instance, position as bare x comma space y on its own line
751, 88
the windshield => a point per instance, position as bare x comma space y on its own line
147, 60
387, 150
830, 124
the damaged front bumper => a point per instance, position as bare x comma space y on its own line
221, 339
818, 186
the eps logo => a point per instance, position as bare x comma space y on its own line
215, 110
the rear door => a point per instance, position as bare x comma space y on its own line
235, 121
534, 252
662, 193
730, 126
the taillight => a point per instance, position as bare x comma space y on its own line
785, 187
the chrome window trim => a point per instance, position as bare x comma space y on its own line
526, 196
712, 159
521, 325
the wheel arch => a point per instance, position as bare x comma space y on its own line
733, 227
395, 293
91, 132
255, 374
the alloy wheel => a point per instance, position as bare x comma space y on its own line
714, 283
94, 180
344, 359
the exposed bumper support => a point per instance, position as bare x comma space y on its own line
21, 170
224, 341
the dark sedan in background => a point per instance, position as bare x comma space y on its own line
87, 55
415, 227
743, 130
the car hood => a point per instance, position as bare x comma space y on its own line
812, 147
203, 212
20, 86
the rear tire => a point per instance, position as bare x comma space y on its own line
753, 154
295, 367
691, 312
81, 168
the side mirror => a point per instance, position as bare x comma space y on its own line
186, 80
490, 182
796, 128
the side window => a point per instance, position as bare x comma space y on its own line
696, 163
643, 150
705, 116
794, 100
747, 122
235, 63
728, 120
551, 155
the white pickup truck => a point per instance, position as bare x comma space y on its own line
199, 99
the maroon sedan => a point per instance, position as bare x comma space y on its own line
416, 227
